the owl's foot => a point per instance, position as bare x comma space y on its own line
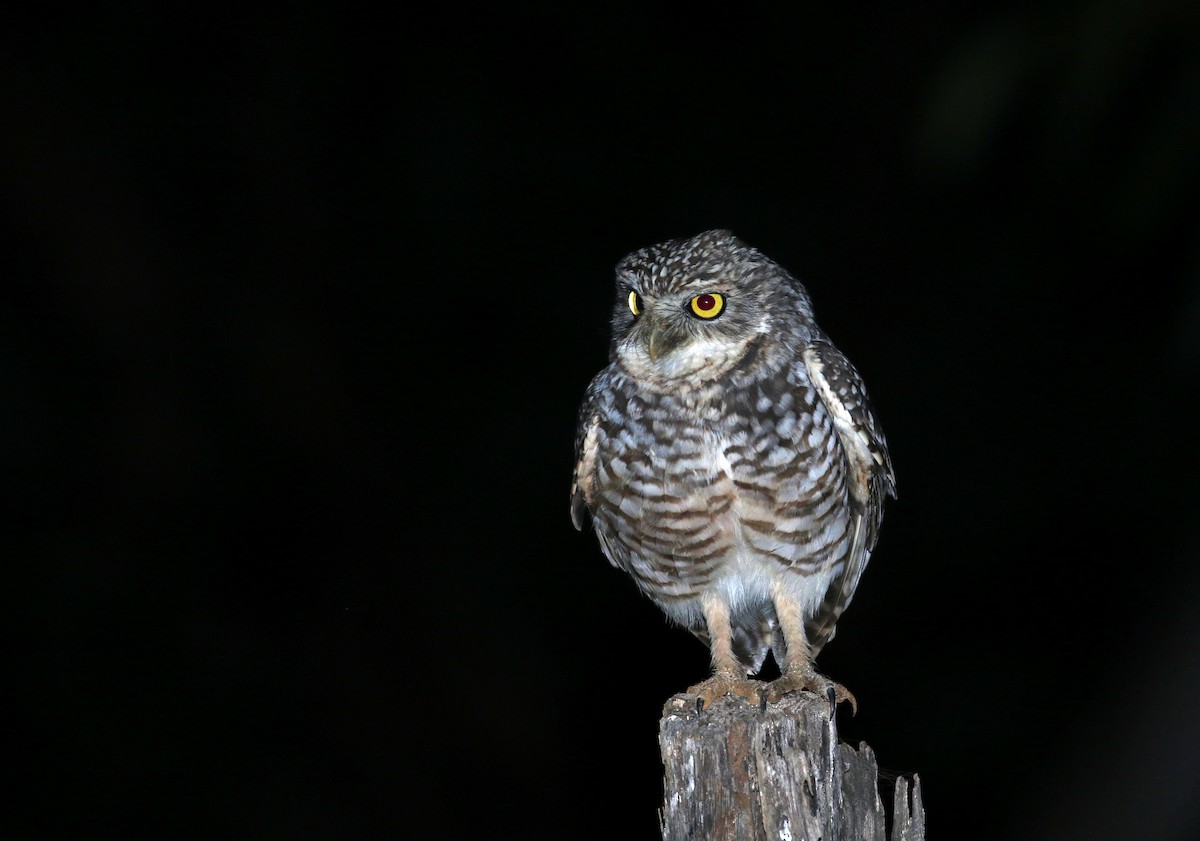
807, 680
720, 685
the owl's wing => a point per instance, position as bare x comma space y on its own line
870, 472
585, 456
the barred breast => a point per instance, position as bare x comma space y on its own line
700, 490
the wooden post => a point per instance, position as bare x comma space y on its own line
736, 772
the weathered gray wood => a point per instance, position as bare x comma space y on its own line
908, 823
736, 772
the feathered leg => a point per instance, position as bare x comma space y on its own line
729, 675
799, 673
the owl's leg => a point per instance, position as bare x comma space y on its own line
799, 672
729, 675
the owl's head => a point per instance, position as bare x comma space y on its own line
691, 308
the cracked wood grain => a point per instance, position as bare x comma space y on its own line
738, 772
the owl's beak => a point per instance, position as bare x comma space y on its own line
662, 341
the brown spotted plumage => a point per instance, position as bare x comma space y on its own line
730, 461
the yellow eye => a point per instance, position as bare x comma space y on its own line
635, 303
707, 306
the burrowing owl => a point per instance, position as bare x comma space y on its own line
730, 460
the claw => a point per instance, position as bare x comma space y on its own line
718, 686
808, 680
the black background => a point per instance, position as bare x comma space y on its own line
300, 306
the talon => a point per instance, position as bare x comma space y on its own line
718, 686
809, 681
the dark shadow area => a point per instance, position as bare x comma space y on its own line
300, 305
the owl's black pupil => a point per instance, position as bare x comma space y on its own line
706, 302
